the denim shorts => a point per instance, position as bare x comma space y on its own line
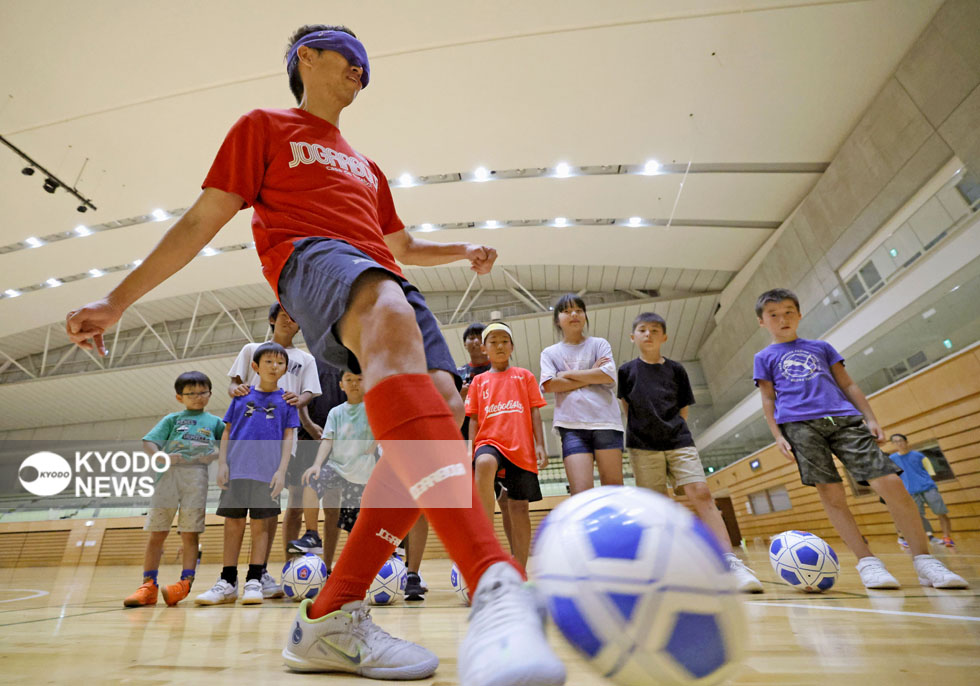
815, 441
315, 286
576, 441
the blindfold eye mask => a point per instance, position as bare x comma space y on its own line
336, 41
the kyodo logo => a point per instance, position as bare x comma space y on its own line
308, 153
45, 474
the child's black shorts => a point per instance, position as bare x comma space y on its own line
247, 497
520, 483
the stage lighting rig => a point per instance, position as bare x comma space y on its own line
51, 182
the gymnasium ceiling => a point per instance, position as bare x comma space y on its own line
141, 94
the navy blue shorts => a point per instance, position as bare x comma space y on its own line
578, 441
315, 286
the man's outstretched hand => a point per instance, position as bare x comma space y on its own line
86, 326
481, 257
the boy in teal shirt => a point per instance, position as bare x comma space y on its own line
191, 438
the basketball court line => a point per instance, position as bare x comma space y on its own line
36, 593
60, 617
928, 615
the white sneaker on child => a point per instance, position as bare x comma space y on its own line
745, 579
221, 592
270, 589
934, 573
506, 644
252, 593
349, 641
874, 575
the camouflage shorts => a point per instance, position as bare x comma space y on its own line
814, 442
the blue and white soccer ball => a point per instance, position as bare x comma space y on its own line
640, 587
804, 561
389, 583
458, 583
303, 576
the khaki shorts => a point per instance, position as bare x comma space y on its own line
183, 488
653, 469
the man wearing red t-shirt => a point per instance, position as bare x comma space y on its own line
508, 441
328, 236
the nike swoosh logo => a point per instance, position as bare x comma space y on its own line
354, 659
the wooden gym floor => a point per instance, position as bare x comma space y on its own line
59, 625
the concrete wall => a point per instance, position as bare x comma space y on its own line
926, 113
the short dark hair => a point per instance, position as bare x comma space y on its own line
776, 295
274, 310
191, 379
295, 81
902, 436
474, 329
270, 347
649, 318
566, 301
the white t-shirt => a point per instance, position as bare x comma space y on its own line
300, 376
590, 407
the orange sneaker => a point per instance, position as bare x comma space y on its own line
174, 593
144, 595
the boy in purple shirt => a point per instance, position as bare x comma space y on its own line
252, 463
814, 409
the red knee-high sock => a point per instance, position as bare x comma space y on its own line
412, 420
371, 542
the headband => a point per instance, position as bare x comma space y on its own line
335, 41
498, 326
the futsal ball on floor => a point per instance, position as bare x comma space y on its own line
804, 561
389, 583
458, 583
303, 576
640, 588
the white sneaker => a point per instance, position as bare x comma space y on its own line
252, 593
221, 592
349, 641
425, 586
934, 573
506, 644
874, 575
270, 589
745, 579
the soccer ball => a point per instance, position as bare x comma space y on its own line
459, 584
640, 588
303, 576
389, 583
804, 561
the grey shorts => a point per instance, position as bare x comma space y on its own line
314, 288
933, 499
815, 441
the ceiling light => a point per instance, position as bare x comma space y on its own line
635, 221
481, 174
651, 167
928, 313
11, 293
406, 179
492, 224
954, 289
868, 351
54, 283
34, 242
82, 209
96, 273
893, 252
209, 251
426, 227
50, 185
27, 171
159, 215
83, 230
137, 262
948, 344
562, 169
561, 221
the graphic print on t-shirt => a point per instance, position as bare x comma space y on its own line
799, 365
250, 408
308, 153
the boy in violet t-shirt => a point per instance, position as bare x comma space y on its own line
814, 409
252, 463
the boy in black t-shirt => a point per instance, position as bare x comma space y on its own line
655, 394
